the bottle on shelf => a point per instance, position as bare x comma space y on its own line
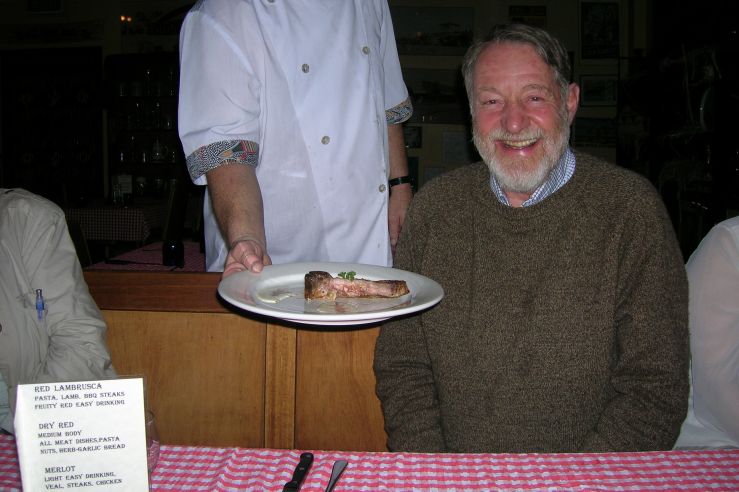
172, 82
133, 150
156, 115
142, 118
147, 82
117, 195
138, 115
173, 250
158, 150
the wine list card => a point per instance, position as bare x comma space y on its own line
82, 435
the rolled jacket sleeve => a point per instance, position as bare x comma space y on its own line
399, 113
219, 108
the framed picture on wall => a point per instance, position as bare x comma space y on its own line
438, 95
594, 132
532, 15
425, 30
598, 90
413, 136
599, 30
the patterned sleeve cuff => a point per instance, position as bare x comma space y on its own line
213, 155
399, 113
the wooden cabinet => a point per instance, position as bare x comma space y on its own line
218, 377
144, 150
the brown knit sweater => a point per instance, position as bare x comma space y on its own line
564, 325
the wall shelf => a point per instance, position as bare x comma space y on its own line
141, 102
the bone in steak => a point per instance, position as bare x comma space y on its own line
321, 285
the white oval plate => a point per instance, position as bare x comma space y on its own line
278, 292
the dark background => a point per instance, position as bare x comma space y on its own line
684, 94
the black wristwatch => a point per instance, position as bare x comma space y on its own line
399, 180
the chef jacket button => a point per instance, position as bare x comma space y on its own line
382, 188
366, 50
305, 68
325, 140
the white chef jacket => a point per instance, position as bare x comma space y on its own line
309, 86
713, 273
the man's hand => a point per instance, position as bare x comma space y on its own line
401, 194
400, 199
237, 204
246, 254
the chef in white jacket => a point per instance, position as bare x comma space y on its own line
290, 112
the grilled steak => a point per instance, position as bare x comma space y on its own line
321, 285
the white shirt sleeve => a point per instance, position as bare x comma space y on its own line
219, 94
713, 272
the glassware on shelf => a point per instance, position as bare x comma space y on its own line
158, 151
138, 115
136, 88
156, 115
133, 147
117, 195
141, 185
147, 82
167, 120
172, 82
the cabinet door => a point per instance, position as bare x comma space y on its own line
335, 402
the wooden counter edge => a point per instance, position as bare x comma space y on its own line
156, 291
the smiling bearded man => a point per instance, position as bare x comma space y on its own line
522, 106
522, 174
564, 320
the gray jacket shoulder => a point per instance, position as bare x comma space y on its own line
28, 203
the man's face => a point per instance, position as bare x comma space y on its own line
520, 123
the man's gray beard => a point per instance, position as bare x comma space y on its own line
515, 178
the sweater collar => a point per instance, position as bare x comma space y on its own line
558, 177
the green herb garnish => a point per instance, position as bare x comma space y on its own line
347, 275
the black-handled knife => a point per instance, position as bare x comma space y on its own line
306, 460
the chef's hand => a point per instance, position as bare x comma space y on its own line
246, 254
400, 199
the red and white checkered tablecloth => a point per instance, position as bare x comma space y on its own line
107, 223
201, 468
